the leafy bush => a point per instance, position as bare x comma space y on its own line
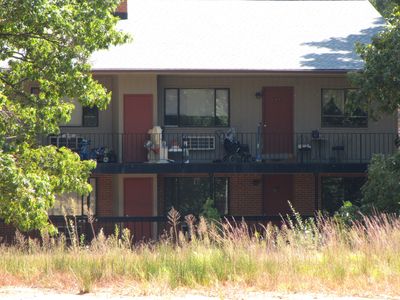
209, 211
382, 190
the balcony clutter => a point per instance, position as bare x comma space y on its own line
178, 154
157, 150
169, 146
82, 146
100, 154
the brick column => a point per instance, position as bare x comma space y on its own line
304, 193
105, 196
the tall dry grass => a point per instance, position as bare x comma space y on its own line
319, 256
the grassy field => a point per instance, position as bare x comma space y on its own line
322, 256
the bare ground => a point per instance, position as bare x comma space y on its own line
29, 293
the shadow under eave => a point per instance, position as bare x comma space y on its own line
149, 168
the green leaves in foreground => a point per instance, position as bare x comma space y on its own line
379, 82
382, 190
46, 44
29, 181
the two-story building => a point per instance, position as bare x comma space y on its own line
275, 71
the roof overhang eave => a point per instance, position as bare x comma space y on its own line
225, 71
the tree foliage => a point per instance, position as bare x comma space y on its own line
385, 7
47, 43
378, 82
378, 91
380, 193
382, 189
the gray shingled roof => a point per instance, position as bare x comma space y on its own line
242, 35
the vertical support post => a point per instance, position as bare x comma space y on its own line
258, 143
185, 150
360, 141
301, 150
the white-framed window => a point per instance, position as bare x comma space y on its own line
196, 107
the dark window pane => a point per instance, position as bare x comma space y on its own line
332, 102
193, 192
90, 116
171, 193
221, 194
334, 112
332, 194
222, 108
196, 107
196, 121
336, 190
171, 107
188, 194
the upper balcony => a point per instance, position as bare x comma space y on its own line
220, 152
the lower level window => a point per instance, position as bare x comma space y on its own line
336, 190
188, 194
75, 204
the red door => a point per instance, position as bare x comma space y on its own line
278, 120
278, 190
138, 202
138, 119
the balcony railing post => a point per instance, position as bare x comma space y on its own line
301, 148
360, 138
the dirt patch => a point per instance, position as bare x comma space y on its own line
27, 293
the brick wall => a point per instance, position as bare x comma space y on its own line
7, 233
245, 194
304, 193
105, 195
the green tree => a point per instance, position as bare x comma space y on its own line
385, 7
209, 210
48, 43
378, 90
378, 83
380, 193
382, 189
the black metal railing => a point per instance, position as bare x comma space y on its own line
193, 147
